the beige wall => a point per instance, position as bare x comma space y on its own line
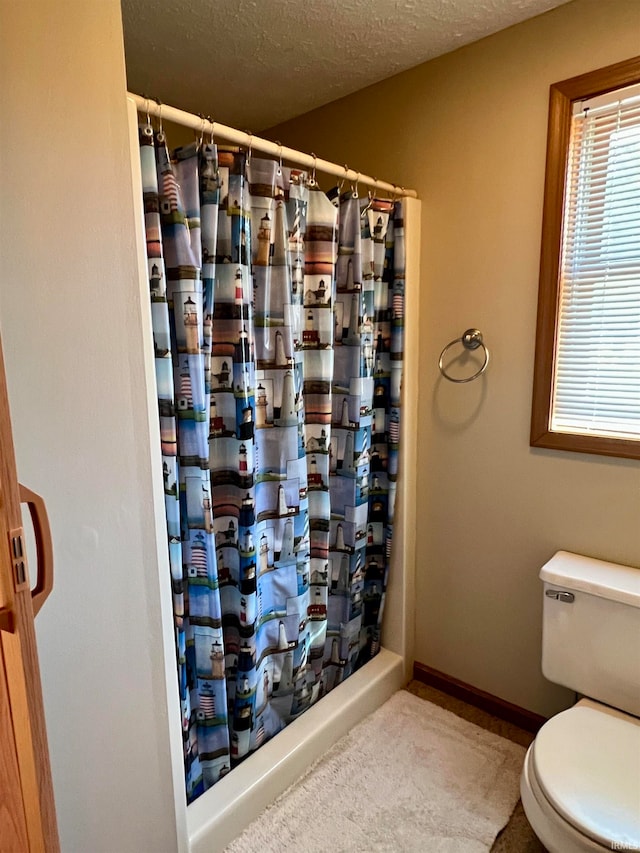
468, 132
71, 331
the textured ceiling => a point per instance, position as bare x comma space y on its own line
254, 63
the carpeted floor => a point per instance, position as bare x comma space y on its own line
517, 836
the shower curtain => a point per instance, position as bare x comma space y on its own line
277, 315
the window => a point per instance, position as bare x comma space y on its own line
586, 394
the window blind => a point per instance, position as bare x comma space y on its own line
597, 357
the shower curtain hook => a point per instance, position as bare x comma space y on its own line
211, 122
354, 189
279, 170
249, 146
312, 180
200, 140
343, 181
161, 136
368, 205
148, 129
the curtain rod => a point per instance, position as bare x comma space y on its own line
246, 140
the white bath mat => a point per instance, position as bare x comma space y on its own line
410, 777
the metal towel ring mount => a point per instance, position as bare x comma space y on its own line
471, 339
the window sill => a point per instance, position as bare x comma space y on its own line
579, 443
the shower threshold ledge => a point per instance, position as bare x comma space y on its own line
222, 812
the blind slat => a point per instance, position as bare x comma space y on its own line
597, 358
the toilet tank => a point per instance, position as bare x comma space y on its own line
591, 629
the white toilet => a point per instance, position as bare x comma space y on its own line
580, 784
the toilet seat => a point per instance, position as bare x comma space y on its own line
586, 763
557, 834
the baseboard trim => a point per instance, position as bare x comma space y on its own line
527, 720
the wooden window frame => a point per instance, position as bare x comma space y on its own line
561, 98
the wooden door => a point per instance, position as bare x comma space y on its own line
27, 814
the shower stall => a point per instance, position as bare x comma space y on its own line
217, 815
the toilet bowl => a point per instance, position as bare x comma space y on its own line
580, 784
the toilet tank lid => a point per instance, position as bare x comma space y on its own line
596, 577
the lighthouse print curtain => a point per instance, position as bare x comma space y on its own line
277, 318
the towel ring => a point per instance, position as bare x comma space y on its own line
471, 339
